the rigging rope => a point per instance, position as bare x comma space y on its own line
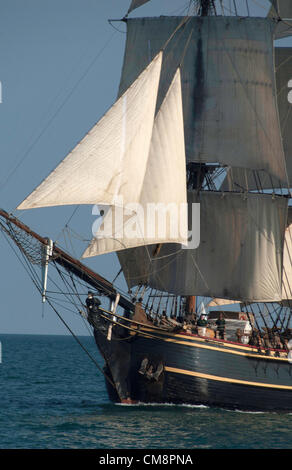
36, 281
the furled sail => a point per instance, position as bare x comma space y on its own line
110, 160
220, 302
164, 184
238, 178
241, 179
239, 256
228, 85
136, 4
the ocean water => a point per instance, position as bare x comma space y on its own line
53, 397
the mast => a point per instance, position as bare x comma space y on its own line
206, 7
196, 172
219, 111
191, 304
209, 115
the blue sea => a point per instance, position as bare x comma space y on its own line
54, 397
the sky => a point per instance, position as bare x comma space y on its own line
60, 65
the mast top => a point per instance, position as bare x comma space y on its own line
205, 7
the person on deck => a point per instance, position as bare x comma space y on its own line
220, 326
92, 304
202, 324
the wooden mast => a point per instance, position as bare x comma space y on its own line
197, 171
191, 304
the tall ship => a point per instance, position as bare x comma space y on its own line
189, 174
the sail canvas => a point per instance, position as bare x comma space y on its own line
110, 160
233, 58
164, 185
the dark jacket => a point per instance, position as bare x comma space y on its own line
93, 304
220, 324
201, 322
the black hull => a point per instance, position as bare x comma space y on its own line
194, 370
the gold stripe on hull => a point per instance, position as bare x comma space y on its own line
225, 379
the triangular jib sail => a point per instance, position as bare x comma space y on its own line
164, 185
110, 160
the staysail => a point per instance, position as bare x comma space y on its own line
164, 184
225, 58
239, 256
110, 161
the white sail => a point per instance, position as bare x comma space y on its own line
286, 299
136, 4
239, 178
110, 160
239, 256
164, 183
283, 64
287, 265
202, 310
226, 61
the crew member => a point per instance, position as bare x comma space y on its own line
220, 326
92, 304
202, 324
